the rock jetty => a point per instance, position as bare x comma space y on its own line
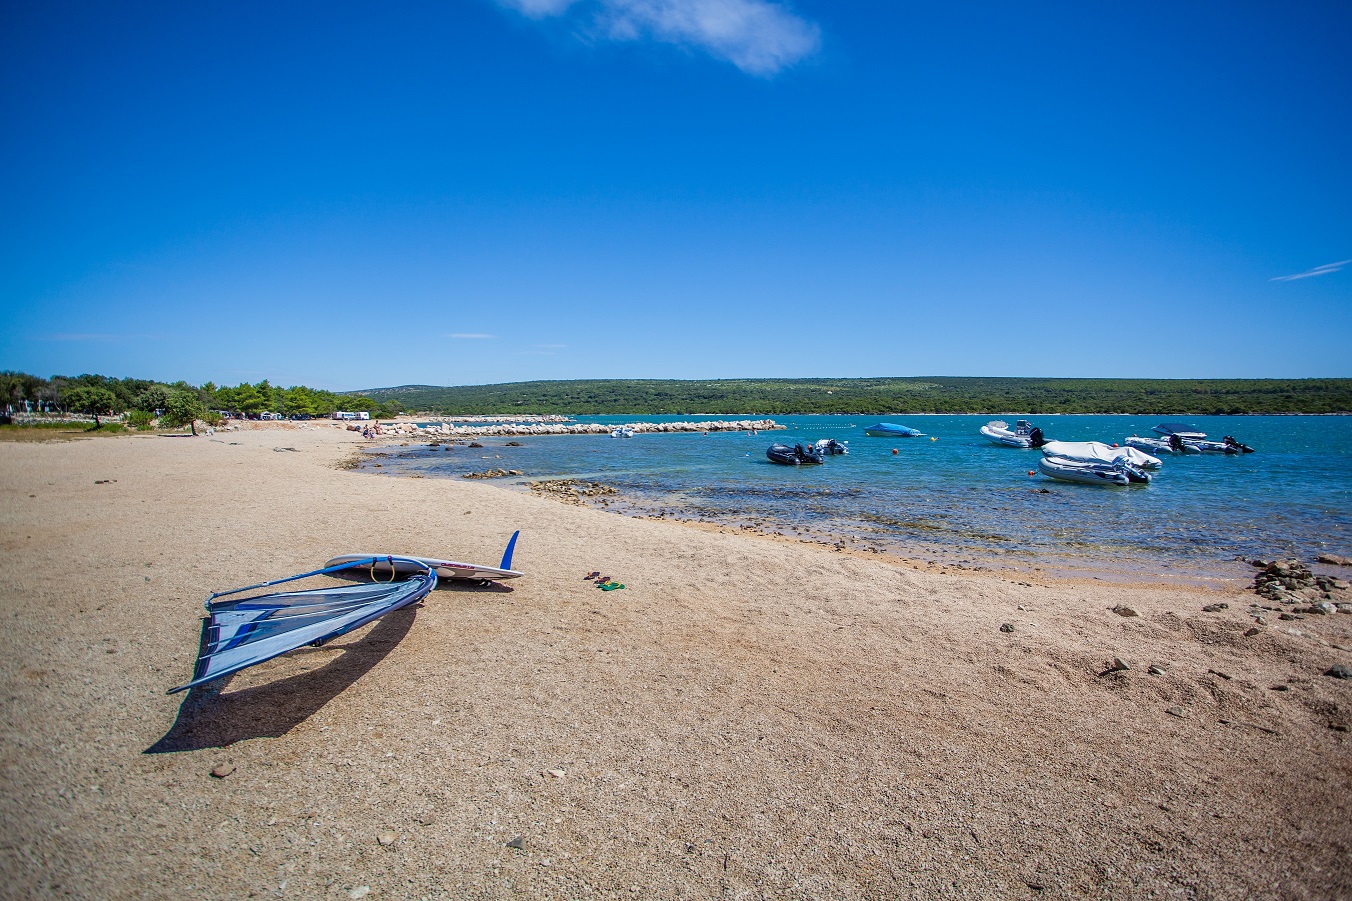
503, 429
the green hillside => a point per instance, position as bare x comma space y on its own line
940, 394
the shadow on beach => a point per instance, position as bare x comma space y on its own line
209, 718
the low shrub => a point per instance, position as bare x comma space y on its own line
141, 420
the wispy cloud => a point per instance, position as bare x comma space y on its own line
473, 336
1326, 269
760, 37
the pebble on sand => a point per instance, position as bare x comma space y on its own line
1006, 627
386, 837
1176, 711
1155, 670
1124, 610
1339, 671
519, 843
360, 891
222, 770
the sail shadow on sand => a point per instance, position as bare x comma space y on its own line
210, 718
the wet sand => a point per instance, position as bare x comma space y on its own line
750, 717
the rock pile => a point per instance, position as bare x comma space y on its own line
571, 491
492, 474
1290, 582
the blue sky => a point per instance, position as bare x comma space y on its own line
355, 195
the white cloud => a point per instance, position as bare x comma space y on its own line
760, 37
475, 336
1325, 269
538, 9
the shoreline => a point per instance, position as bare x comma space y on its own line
749, 717
1091, 564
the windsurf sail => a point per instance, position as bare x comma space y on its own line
240, 632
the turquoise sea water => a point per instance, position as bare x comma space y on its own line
959, 498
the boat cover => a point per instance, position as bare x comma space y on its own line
241, 632
1098, 452
891, 429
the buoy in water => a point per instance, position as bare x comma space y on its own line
894, 451
932, 438
1030, 472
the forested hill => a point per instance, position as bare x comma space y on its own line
882, 395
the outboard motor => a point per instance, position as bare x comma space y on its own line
1176, 443
1036, 438
1230, 441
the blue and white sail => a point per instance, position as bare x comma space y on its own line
240, 632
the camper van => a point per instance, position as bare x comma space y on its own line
343, 414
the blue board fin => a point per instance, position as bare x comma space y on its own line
507, 554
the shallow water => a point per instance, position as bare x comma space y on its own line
960, 498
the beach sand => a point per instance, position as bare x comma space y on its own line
748, 718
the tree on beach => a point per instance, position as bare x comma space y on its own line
153, 399
91, 401
184, 408
17, 387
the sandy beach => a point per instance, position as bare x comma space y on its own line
748, 718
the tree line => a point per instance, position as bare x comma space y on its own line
933, 394
176, 403
102, 395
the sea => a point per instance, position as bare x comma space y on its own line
955, 499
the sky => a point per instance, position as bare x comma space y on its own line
355, 195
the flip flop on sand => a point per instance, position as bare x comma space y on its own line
612, 586
591, 575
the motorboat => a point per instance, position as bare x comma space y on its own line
622, 432
1067, 470
1160, 445
798, 455
1180, 433
892, 430
1098, 452
830, 447
1024, 433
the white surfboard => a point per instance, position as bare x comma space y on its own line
445, 569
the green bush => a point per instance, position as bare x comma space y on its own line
141, 420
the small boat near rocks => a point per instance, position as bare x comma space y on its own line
1024, 433
892, 430
798, 455
830, 447
622, 432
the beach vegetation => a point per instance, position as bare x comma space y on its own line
90, 400
184, 408
141, 420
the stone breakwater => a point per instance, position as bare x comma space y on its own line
523, 417
577, 428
